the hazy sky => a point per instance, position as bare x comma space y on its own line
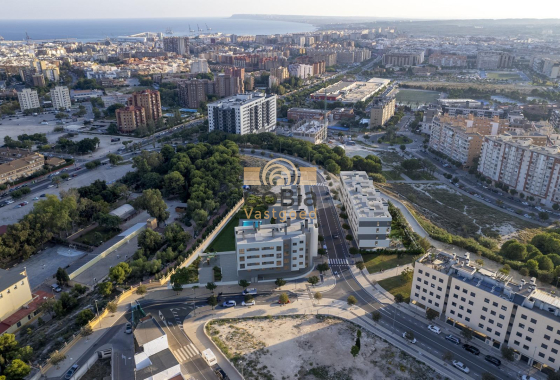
430, 9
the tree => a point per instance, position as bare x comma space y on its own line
351, 300
407, 274
360, 265
149, 240
119, 272
280, 282
431, 314
399, 298
479, 262
57, 357
322, 252
447, 355
152, 201
173, 183
283, 299
177, 287
86, 331
62, 277
355, 350
48, 306
141, 290
84, 317
513, 250
508, 353
17, 370
212, 301
112, 307
313, 280
323, 267
114, 159
349, 237
211, 286
543, 215
467, 333
321, 238
105, 288
376, 315
403, 147
377, 177
244, 284
112, 129
318, 296
555, 207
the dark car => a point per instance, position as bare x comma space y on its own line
221, 374
335, 236
71, 371
453, 339
471, 349
497, 362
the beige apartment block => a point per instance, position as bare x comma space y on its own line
21, 167
382, 111
14, 292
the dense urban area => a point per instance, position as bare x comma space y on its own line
221, 206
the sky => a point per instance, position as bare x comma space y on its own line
417, 9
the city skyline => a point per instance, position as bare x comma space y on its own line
408, 9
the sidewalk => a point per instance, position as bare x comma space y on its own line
194, 327
386, 273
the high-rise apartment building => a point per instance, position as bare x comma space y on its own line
368, 213
460, 137
177, 45
150, 101
199, 66
243, 114
52, 74
38, 80
403, 58
519, 163
28, 99
300, 70
493, 60
500, 312
60, 96
281, 73
131, 117
193, 92
228, 85
382, 111
448, 60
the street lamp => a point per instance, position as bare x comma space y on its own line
241, 365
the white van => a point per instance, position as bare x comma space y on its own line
209, 357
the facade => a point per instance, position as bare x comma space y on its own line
499, 311
297, 114
228, 85
368, 213
281, 73
287, 246
342, 113
403, 58
382, 111
130, 117
60, 97
28, 99
300, 70
243, 114
193, 92
21, 167
528, 168
310, 130
150, 101
14, 292
38, 80
177, 45
493, 60
460, 137
448, 60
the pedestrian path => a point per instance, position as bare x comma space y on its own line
338, 262
387, 273
185, 353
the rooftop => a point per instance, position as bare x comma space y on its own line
239, 99
158, 362
309, 127
365, 198
147, 331
9, 278
39, 297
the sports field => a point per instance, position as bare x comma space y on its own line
413, 97
500, 75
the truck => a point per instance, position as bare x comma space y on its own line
209, 357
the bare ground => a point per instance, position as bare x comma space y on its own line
309, 347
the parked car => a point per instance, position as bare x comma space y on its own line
497, 362
43, 195
50, 186
435, 329
128, 328
453, 339
56, 288
71, 371
248, 303
9, 202
221, 374
471, 349
250, 291
229, 303
461, 366
36, 198
527, 377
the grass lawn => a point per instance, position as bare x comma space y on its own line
502, 75
90, 237
395, 285
376, 262
392, 175
410, 96
225, 241
419, 176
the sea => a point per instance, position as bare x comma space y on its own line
99, 29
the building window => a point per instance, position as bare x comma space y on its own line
438, 297
471, 303
497, 333
467, 319
556, 341
481, 325
469, 311
499, 325
504, 308
457, 288
493, 312
531, 330
483, 317
437, 304
544, 346
516, 342
525, 347
418, 287
420, 271
484, 309
455, 296
523, 316
465, 291
452, 311
486, 300
551, 359
541, 354
528, 338
519, 334
441, 280
533, 320
554, 351
547, 337
491, 321
454, 303
439, 288
501, 316
416, 295
549, 328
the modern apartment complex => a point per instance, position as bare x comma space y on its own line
368, 213
382, 111
403, 58
243, 114
21, 167
299, 70
60, 96
129, 118
448, 60
460, 137
287, 246
499, 311
519, 163
150, 101
193, 92
28, 99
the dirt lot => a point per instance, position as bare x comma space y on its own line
310, 345
457, 213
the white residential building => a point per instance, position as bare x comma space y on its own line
528, 168
60, 97
199, 66
499, 311
300, 70
28, 99
243, 114
313, 131
368, 214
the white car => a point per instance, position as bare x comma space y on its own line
461, 366
413, 340
435, 329
50, 186
229, 303
248, 303
527, 377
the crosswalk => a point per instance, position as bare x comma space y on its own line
304, 296
185, 353
338, 262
